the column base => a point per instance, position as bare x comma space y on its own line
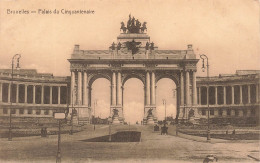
188, 114
115, 120
80, 115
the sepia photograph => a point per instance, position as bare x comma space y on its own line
108, 81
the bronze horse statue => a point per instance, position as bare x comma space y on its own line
123, 28
143, 28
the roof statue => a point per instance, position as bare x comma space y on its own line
133, 26
133, 46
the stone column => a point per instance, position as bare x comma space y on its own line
232, 112
85, 88
147, 88
240, 113
25, 93
17, 93
199, 96
241, 94
182, 88
216, 95
194, 88
72, 85
122, 96
187, 88
89, 96
153, 89
9, 92
216, 112
257, 93
224, 114
113, 89
79, 88
33, 94
249, 96
224, 95
25, 111
233, 97
119, 89
58, 94
1, 89
42, 95
144, 88
50, 94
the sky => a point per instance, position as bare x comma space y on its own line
226, 31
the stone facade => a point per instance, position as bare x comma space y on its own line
32, 94
133, 55
232, 98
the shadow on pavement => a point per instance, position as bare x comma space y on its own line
122, 136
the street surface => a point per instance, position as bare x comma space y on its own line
153, 147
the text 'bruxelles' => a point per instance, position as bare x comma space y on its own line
49, 12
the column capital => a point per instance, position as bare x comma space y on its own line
74, 70
188, 70
115, 70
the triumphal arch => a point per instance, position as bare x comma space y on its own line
134, 55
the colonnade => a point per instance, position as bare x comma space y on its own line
249, 98
8, 94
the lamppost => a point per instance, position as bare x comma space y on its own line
109, 130
59, 117
16, 56
203, 57
164, 103
95, 104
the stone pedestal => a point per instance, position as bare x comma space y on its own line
117, 115
150, 119
115, 119
150, 115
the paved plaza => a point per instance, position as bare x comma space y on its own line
153, 147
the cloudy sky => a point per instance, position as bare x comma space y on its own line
226, 31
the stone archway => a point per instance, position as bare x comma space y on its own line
166, 98
135, 56
133, 100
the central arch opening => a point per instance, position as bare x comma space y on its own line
100, 98
166, 93
133, 97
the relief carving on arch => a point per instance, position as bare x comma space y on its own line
168, 74
133, 74
93, 75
